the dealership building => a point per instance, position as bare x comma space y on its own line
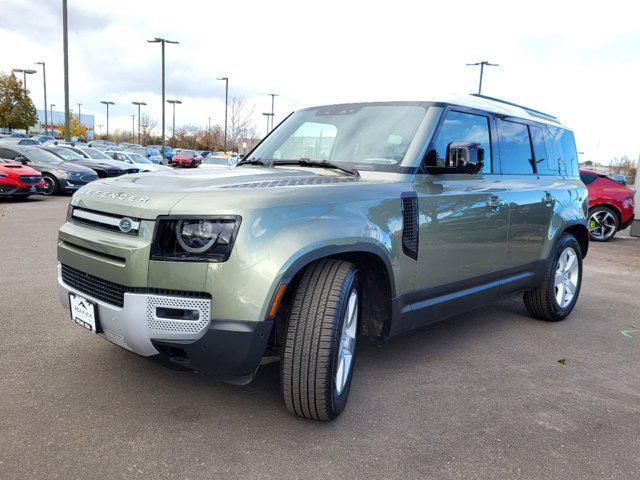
55, 119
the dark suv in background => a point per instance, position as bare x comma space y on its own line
104, 168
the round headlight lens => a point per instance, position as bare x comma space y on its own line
197, 236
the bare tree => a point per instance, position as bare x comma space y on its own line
240, 121
147, 126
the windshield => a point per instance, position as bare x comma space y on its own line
211, 160
187, 153
360, 136
67, 154
95, 154
138, 158
38, 155
153, 151
138, 150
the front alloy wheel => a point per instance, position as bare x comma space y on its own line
50, 185
321, 339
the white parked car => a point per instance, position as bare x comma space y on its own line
140, 161
218, 161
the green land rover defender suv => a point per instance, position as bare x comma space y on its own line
346, 221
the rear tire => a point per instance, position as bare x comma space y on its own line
555, 298
321, 339
603, 224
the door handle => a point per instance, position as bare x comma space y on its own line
494, 203
548, 199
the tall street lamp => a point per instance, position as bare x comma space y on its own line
226, 106
44, 80
79, 112
269, 116
482, 64
24, 76
173, 128
133, 129
65, 48
107, 103
51, 116
139, 104
273, 101
162, 41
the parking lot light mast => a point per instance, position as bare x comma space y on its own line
65, 48
107, 103
269, 116
79, 112
139, 104
44, 81
51, 116
273, 100
133, 129
173, 127
226, 107
24, 77
482, 64
162, 41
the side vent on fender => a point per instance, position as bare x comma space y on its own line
410, 224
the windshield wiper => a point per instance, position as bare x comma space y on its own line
255, 161
307, 162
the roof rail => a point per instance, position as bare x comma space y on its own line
530, 111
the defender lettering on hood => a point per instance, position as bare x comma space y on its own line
116, 196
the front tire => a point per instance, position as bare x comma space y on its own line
321, 339
603, 224
50, 185
555, 298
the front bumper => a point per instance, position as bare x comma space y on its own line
21, 189
230, 350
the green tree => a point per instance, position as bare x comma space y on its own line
16, 108
76, 129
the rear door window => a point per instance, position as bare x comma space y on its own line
515, 148
464, 127
539, 151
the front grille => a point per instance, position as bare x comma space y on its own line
114, 173
133, 170
113, 293
88, 177
104, 220
30, 179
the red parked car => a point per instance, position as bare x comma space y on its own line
186, 158
610, 205
17, 180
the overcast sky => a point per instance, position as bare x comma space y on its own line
579, 62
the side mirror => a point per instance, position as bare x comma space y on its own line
21, 159
465, 157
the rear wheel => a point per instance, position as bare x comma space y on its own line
321, 340
603, 224
555, 298
50, 184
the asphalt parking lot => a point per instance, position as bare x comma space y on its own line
480, 396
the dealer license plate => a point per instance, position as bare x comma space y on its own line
83, 312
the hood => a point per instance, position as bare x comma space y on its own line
147, 195
16, 169
68, 167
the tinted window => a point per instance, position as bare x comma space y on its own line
567, 147
515, 148
588, 178
553, 154
6, 153
539, 150
463, 127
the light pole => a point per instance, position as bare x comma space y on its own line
51, 116
139, 104
65, 46
173, 128
226, 107
79, 113
44, 80
162, 41
24, 76
273, 101
209, 135
133, 129
268, 115
107, 103
482, 64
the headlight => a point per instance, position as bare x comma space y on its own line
3, 175
194, 239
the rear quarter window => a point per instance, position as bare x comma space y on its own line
588, 178
567, 148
